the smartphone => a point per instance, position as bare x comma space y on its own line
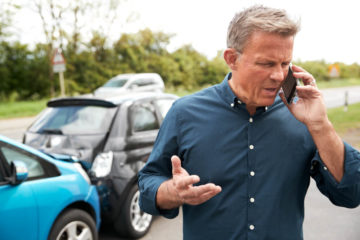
289, 86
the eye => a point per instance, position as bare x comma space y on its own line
266, 64
285, 64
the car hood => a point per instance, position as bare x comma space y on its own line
82, 147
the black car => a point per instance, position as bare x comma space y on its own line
113, 138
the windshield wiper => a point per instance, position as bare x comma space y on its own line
52, 131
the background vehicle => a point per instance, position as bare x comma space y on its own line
135, 82
43, 197
115, 137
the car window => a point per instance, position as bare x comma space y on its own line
75, 120
34, 167
164, 105
116, 82
143, 82
143, 117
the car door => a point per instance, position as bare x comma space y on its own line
163, 105
144, 126
18, 208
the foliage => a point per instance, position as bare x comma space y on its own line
320, 70
26, 74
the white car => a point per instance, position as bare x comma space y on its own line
138, 82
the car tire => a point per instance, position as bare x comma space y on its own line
132, 221
71, 224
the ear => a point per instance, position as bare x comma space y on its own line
230, 56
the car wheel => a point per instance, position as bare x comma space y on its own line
132, 221
74, 224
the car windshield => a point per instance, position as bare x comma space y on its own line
74, 120
117, 82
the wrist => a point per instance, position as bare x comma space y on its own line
173, 193
320, 126
167, 196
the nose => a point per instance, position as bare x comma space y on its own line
278, 74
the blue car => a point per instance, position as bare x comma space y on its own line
45, 197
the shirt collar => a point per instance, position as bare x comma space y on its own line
226, 92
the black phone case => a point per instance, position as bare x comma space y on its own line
289, 87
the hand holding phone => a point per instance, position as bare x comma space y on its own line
289, 86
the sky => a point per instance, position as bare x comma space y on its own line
329, 29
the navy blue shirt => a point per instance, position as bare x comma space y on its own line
262, 162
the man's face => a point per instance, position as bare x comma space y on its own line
261, 68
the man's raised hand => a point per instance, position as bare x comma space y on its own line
181, 190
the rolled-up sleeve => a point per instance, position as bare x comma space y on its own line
158, 167
345, 193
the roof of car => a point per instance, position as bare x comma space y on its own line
130, 75
112, 101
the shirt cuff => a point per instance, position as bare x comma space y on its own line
148, 199
351, 168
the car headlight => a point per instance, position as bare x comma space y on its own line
102, 164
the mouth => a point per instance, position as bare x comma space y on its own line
271, 90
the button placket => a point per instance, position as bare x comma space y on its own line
251, 206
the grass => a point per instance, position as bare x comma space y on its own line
345, 121
21, 108
336, 83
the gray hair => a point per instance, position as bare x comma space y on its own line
259, 18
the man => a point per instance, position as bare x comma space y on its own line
241, 158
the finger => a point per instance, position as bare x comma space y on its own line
305, 76
202, 194
282, 96
184, 182
313, 82
308, 80
296, 68
206, 196
307, 92
197, 191
176, 165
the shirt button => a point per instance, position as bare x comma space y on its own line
251, 227
251, 147
252, 200
325, 168
251, 120
252, 173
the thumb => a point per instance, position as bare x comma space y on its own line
176, 165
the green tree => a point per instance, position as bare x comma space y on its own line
319, 69
349, 71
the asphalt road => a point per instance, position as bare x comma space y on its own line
336, 97
322, 219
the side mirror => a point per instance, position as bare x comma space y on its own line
19, 172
